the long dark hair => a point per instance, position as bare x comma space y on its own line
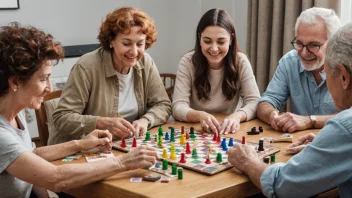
216, 17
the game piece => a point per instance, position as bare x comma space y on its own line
152, 178
192, 135
224, 147
180, 173
164, 154
194, 154
160, 130
272, 158
165, 180
165, 164
261, 145
218, 140
187, 136
172, 139
188, 148
183, 139
147, 136
207, 161
160, 142
243, 140
231, 142
167, 137
215, 137
157, 165
253, 131
183, 158
182, 130
223, 142
123, 143
260, 129
173, 155
219, 157
174, 169
266, 160
156, 137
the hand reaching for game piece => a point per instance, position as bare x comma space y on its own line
230, 124
300, 143
97, 140
240, 155
140, 126
117, 126
208, 121
141, 157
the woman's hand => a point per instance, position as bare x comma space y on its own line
97, 140
140, 126
141, 157
230, 124
209, 122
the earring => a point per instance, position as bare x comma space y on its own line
15, 89
110, 46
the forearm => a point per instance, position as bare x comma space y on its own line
159, 113
254, 169
193, 115
241, 115
58, 151
321, 120
264, 110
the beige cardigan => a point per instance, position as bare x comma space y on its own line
185, 94
92, 90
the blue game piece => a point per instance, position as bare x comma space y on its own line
231, 142
224, 147
223, 143
167, 137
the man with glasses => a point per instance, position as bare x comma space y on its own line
300, 76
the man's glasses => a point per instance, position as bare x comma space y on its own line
311, 47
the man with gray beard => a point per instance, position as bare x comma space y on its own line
300, 76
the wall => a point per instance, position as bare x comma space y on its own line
77, 22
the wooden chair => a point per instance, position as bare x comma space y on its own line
169, 83
42, 118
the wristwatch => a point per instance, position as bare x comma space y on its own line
313, 120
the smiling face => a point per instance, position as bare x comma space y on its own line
31, 93
128, 48
312, 34
215, 42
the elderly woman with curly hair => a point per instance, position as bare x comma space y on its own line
116, 87
27, 56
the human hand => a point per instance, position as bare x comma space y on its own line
273, 115
117, 126
289, 122
208, 121
300, 143
97, 140
240, 155
140, 126
141, 157
230, 124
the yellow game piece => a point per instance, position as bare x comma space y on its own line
172, 146
164, 154
173, 155
183, 139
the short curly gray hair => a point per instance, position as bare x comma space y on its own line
339, 49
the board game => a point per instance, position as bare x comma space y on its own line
208, 152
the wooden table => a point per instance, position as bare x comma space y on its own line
225, 184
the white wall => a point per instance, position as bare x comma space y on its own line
76, 22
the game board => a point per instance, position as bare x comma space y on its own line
204, 145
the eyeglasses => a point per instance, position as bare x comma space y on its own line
311, 47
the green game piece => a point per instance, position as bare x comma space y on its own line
219, 157
180, 173
193, 136
194, 154
160, 141
160, 131
172, 138
174, 169
156, 138
272, 158
147, 136
165, 163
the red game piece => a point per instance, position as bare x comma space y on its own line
183, 158
215, 137
188, 149
123, 143
243, 140
218, 140
187, 135
207, 161
182, 129
134, 144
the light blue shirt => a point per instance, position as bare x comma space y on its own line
291, 80
324, 164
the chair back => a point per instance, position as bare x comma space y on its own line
42, 119
169, 83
